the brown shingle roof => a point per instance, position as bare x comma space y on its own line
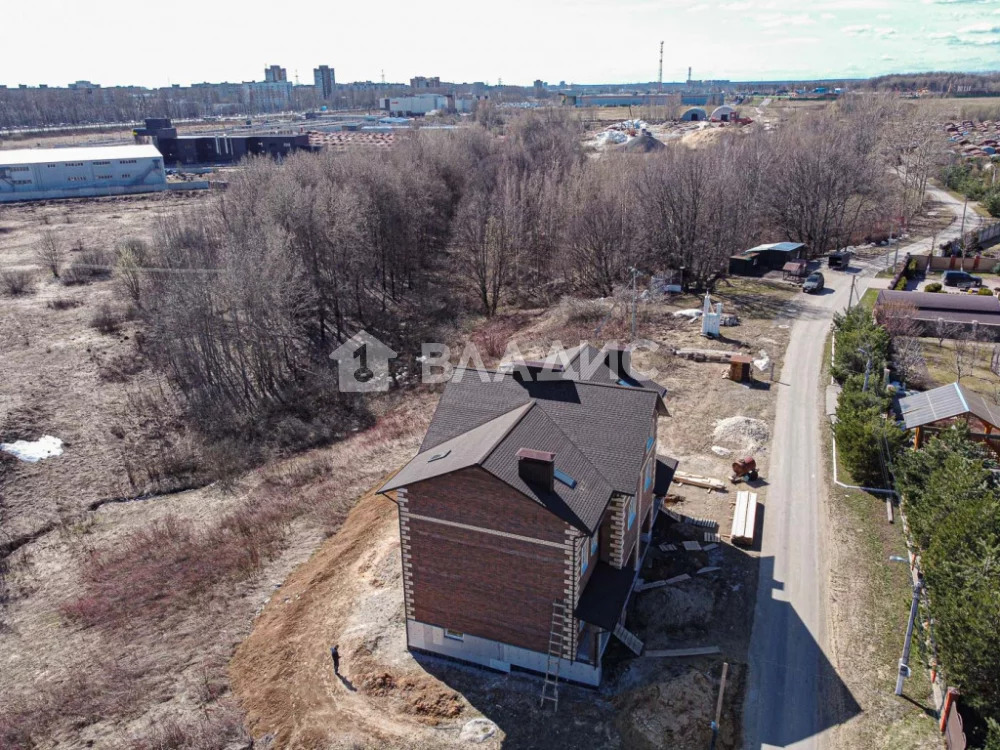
952, 308
608, 423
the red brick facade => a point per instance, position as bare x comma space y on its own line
481, 558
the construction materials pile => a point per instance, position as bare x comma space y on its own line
743, 433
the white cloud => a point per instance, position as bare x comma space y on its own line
981, 28
855, 30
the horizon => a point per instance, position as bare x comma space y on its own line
736, 40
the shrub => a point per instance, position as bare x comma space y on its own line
855, 331
63, 303
106, 320
985, 291
17, 281
87, 266
901, 284
583, 311
933, 287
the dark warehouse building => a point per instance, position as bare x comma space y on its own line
217, 149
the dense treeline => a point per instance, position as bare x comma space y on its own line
956, 84
953, 507
295, 258
29, 108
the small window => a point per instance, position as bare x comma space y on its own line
631, 511
584, 558
565, 478
594, 543
439, 456
455, 635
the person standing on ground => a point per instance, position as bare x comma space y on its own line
335, 655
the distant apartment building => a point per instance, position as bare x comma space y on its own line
422, 82
275, 74
324, 81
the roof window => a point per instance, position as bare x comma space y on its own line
565, 478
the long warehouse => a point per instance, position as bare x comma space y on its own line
80, 172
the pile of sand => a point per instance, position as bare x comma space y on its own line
743, 433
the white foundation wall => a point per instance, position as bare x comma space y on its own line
494, 654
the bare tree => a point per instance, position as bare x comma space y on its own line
899, 320
50, 253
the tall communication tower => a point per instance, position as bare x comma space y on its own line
689, 76
661, 67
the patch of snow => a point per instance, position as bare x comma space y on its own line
477, 730
718, 450
32, 452
691, 313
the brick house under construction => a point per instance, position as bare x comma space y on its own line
525, 516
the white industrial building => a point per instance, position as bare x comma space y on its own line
84, 172
419, 104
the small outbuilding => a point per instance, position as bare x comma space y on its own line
724, 113
694, 114
939, 408
759, 260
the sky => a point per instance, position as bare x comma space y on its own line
114, 42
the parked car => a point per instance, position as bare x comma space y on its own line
961, 279
813, 282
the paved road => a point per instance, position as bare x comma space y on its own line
794, 694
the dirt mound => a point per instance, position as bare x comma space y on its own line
674, 714
743, 433
677, 713
643, 144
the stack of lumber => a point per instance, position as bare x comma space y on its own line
744, 518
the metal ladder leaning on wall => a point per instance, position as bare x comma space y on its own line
557, 629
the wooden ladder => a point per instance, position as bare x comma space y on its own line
557, 630
629, 638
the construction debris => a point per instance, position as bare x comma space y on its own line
751, 435
647, 586
668, 548
708, 569
705, 355
698, 481
692, 546
709, 547
678, 579
718, 450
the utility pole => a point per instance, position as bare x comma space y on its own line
868, 367
635, 299
904, 663
661, 67
964, 206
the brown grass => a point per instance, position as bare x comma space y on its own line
17, 281
170, 564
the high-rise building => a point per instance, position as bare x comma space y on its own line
324, 80
274, 74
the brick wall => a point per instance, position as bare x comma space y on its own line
494, 586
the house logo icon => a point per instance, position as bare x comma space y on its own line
362, 364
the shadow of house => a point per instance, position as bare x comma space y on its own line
796, 693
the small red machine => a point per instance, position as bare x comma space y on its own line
745, 468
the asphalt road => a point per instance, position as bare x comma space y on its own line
794, 694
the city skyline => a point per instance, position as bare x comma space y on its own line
582, 42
